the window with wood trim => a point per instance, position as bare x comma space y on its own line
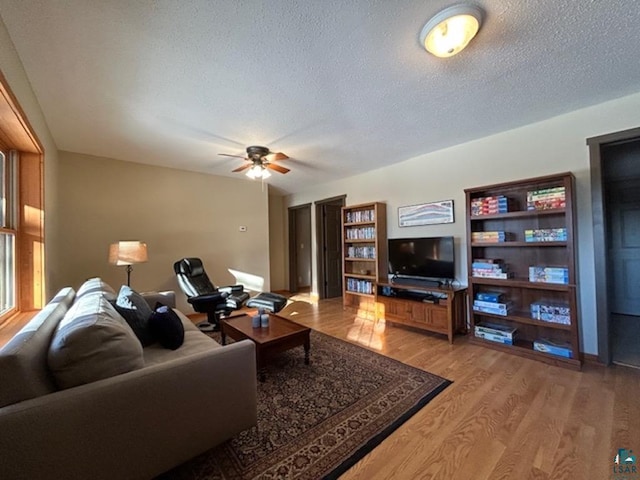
21, 210
7, 233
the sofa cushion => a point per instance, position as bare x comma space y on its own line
96, 285
92, 342
136, 311
167, 327
23, 360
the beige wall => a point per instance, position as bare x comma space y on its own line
277, 239
553, 146
14, 73
177, 213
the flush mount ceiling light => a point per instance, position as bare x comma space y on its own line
451, 30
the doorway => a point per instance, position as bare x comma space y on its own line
329, 241
300, 248
615, 162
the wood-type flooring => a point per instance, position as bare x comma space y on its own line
504, 417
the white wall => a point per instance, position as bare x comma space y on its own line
13, 71
552, 146
176, 212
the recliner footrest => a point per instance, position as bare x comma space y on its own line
236, 300
271, 301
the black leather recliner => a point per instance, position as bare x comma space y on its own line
204, 295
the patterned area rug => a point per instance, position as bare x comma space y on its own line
316, 421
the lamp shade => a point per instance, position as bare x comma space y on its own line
451, 30
127, 253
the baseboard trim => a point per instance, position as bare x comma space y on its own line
591, 359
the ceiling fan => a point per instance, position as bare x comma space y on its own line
260, 162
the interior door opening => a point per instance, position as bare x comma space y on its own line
615, 201
300, 249
621, 184
329, 241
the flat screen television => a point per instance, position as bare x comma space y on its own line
422, 258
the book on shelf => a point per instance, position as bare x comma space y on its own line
488, 268
551, 311
361, 233
545, 235
504, 306
488, 260
542, 274
496, 329
491, 236
496, 275
367, 252
496, 332
489, 296
355, 285
494, 338
358, 216
554, 347
503, 312
546, 198
490, 205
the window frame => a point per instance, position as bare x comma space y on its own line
8, 294
7, 226
24, 172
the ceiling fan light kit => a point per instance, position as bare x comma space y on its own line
257, 171
260, 162
451, 30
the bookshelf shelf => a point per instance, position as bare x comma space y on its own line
512, 213
364, 253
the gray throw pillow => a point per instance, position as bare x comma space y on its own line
137, 312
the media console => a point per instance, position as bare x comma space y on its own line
434, 309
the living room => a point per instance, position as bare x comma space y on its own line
93, 199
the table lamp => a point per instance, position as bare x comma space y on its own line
127, 253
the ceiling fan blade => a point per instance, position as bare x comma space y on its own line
244, 167
228, 155
276, 156
277, 168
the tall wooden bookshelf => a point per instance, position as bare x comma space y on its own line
521, 264
364, 253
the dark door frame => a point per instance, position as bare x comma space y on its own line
601, 263
320, 236
293, 258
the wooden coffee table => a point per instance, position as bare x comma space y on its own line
281, 335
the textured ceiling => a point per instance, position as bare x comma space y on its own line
339, 86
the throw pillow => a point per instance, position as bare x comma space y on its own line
167, 327
92, 342
135, 310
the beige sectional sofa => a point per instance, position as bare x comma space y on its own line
164, 408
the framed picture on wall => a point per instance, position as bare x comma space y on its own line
431, 213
